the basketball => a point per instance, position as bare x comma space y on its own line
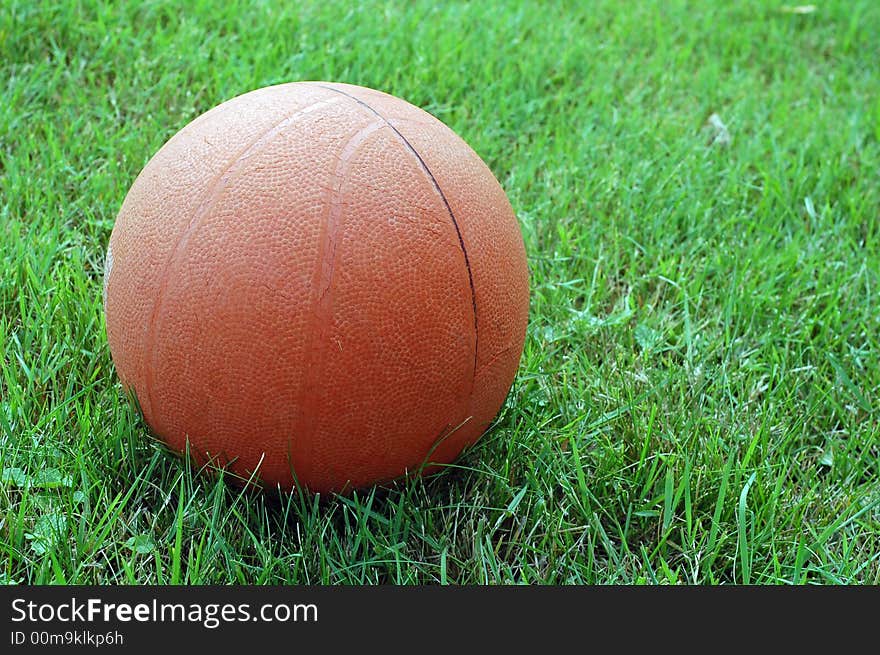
317, 285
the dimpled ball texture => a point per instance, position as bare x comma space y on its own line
317, 285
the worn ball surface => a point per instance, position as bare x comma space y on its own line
317, 284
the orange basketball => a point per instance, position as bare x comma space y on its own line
317, 284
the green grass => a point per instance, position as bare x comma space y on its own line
698, 397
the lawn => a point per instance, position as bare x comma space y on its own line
698, 186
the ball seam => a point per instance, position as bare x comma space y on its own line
442, 195
203, 210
